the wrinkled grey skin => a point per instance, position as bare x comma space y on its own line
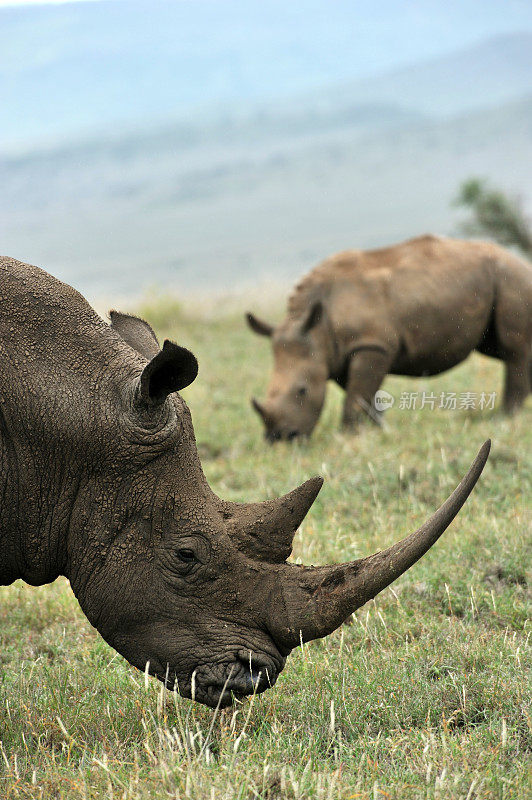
101, 482
417, 308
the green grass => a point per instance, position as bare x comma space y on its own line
424, 695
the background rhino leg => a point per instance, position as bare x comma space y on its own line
367, 370
513, 329
518, 382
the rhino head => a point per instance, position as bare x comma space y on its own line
296, 390
197, 590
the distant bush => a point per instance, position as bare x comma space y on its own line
495, 215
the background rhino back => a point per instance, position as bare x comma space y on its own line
385, 289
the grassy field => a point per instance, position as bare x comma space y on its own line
424, 695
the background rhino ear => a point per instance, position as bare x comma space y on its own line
136, 332
172, 369
258, 326
313, 317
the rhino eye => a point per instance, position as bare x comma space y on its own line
186, 555
301, 392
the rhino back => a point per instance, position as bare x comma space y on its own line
53, 347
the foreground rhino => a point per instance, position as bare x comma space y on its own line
100, 481
417, 308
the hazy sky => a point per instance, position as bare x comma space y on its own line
71, 67
39, 2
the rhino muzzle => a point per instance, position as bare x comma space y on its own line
219, 685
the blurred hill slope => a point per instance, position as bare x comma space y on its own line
250, 199
69, 69
119, 178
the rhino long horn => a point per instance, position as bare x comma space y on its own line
316, 600
266, 530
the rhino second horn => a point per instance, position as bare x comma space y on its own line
266, 530
319, 599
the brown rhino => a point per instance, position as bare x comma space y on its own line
100, 481
417, 308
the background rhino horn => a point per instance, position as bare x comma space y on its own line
319, 599
259, 408
266, 530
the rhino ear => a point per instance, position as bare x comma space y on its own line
172, 369
313, 317
258, 326
136, 332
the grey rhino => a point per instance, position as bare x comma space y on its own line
100, 481
417, 308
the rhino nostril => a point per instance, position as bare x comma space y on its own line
256, 678
292, 435
260, 672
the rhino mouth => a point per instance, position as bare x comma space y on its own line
217, 695
286, 436
220, 685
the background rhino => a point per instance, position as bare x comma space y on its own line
100, 481
417, 308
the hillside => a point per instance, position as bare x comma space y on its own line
491, 72
67, 70
255, 198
